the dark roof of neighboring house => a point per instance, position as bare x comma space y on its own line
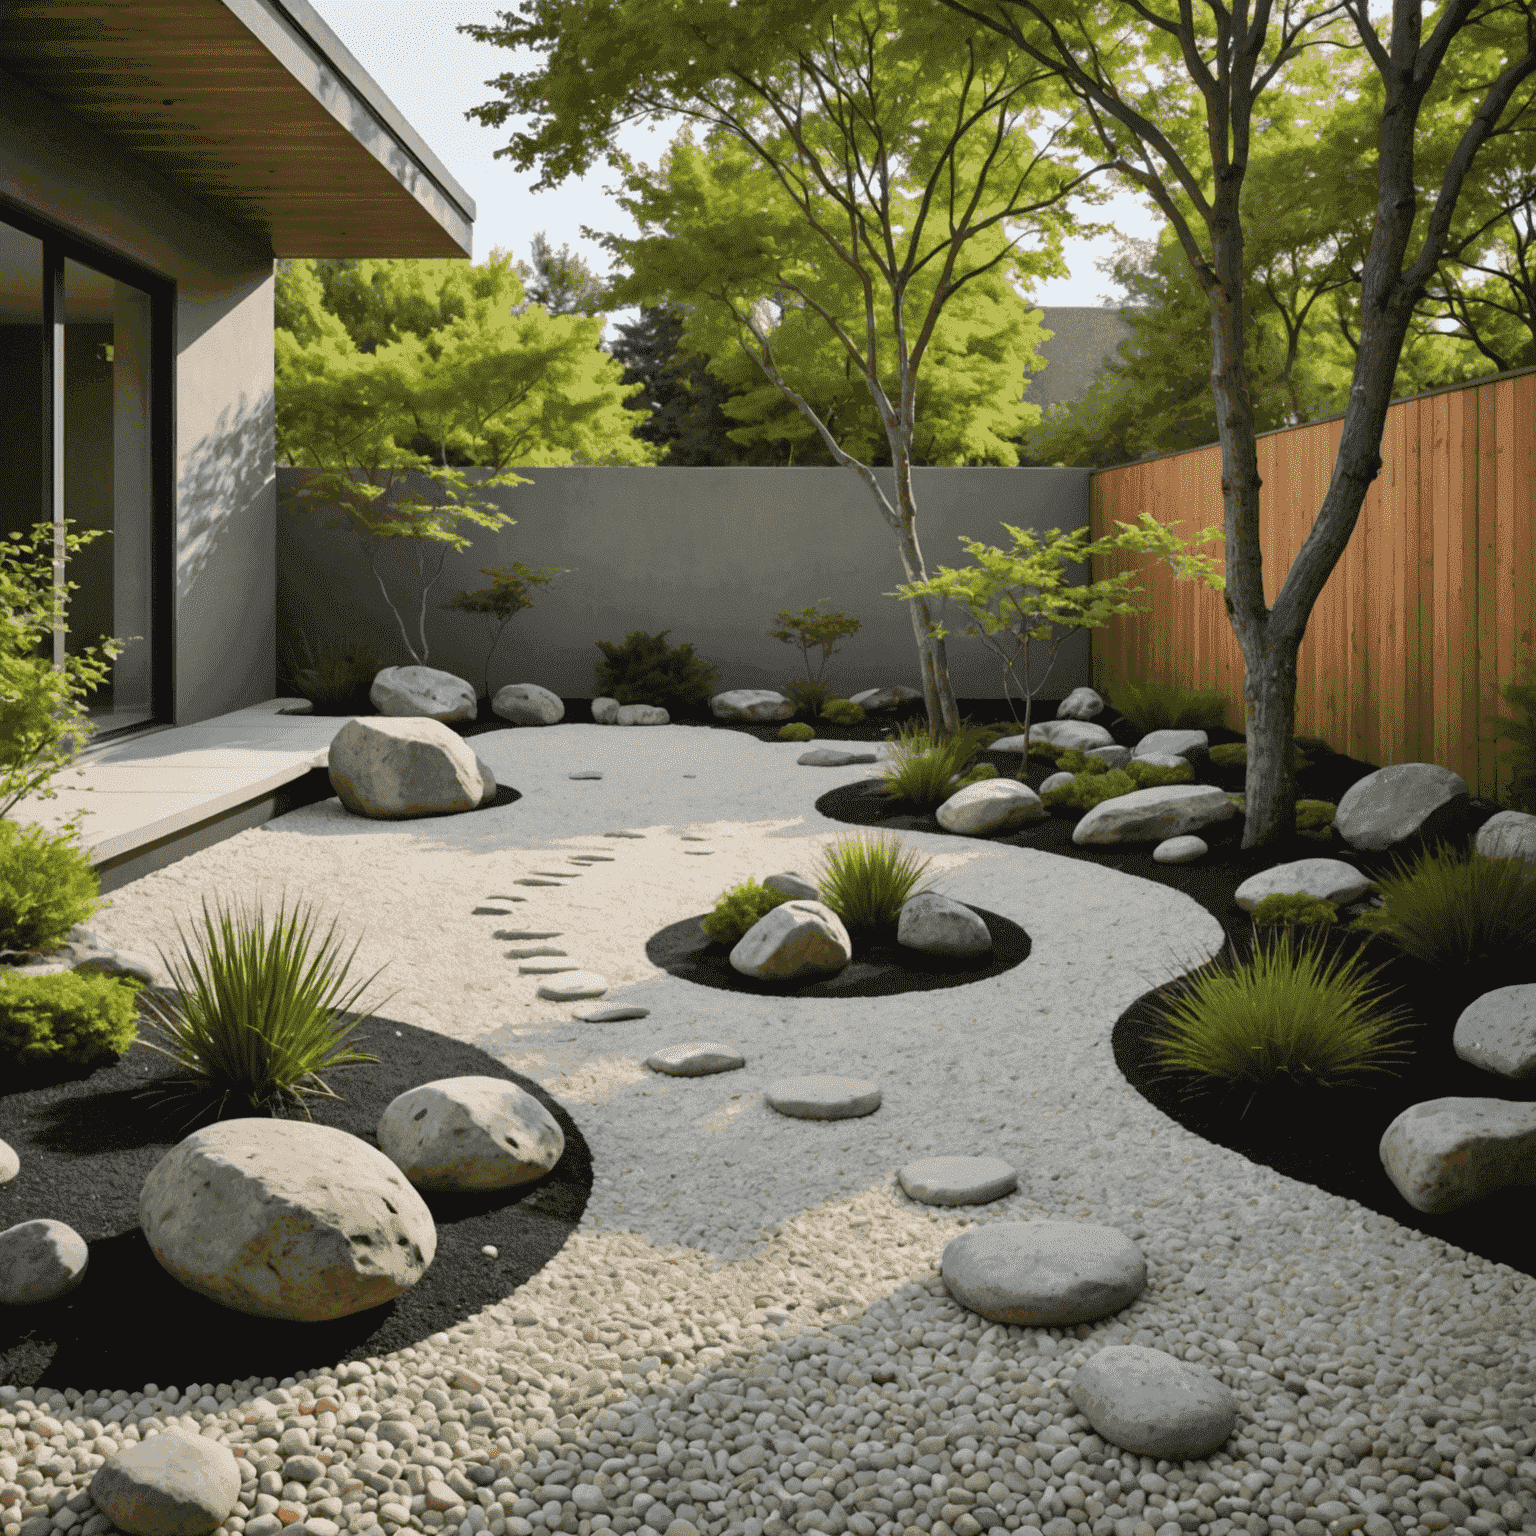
253, 106
1085, 337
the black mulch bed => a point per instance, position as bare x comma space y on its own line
86, 1146
1329, 1137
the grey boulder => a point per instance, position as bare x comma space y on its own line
40, 1261
795, 885
402, 691
991, 805
605, 710
1497, 1032
751, 704
1393, 803
1043, 1273
641, 714
1322, 879
1152, 815
935, 925
469, 1134
1508, 835
797, 939
396, 770
1178, 744
1447, 1153
1147, 1402
876, 700
834, 757
286, 1219
528, 704
1080, 704
176, 1483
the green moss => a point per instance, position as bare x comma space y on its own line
976, 775
1235, 755
740, 909
796, 731
1152, 775
1076, 760
1089, 789
1314, 819
1294, 910
843, 712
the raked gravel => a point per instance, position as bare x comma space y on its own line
748, 1332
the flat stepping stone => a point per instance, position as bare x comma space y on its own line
529, 880
623, 834
592, 858
572, 986
524, 933
823, 1098
958, 1180
831, 757
589, 773
612, 1015
504, 898
546, 968
495, 911
696, 1058
534, 952
561, 874
692, 837
699, 852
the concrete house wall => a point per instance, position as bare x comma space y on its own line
57, 169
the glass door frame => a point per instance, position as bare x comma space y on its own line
59, 247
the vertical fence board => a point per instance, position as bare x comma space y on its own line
1429, 613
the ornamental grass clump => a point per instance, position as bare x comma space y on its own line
921, 770
1279, 1015
1161, 707
867, 882
256, 1018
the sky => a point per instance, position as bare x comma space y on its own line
434, 74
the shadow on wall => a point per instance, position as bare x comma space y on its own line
223, 474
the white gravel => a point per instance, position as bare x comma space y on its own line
748, 1332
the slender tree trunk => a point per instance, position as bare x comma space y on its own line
938, 691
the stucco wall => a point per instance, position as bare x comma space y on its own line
224, 629
709, 554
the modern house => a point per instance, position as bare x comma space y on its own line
154, 160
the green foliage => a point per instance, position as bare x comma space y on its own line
1077, 760
1278, 1015
1088, 789
868, 881
255, 1018
47, 885
335, 678
1459, 911
977, 774
842, 712
1521, 793
646, 670
1161, 707
1234, 754
739, 909
921, 771
807, 697
564, 284
1026, 584
1154, 775
811, 628
42, 725
502, 601
1297, 909
796, 731
1314, 819
65, 1020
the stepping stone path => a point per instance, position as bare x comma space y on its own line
958, 1180
698, 1058
823, 1097
587, 774
612, 1015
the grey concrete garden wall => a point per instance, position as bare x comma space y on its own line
224, 627
710, 555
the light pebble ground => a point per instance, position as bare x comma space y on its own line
747, 1333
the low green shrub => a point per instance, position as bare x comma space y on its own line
66, 1020
1314, 820
47, 885
1296, 909
976, 775
920, 771
807, 697
843, 712
1234, 754
335, 678
868, 882
1520, 795
795, 731
1155, 775
1088, 790
1161, 707
646, 670
739, 909
1076, 760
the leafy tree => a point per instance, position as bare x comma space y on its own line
1114, 59
564, 284
865, 157
501, 602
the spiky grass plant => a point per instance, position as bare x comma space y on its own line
920, 770
868, 881
1161, 707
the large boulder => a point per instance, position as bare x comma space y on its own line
1152, 815
874, 701
796, 940
403, 691
286, 1219
1447, 1153
1064, 734
528, 704
935, 925
465, 1134
1392, 804
1508, 835
641, 714
1497, 1032
176, 1483
40, 1261
1179, 744
751, 704
393, 770
1322, 879
991, 805
1080, 704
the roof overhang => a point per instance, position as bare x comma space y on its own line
254, 107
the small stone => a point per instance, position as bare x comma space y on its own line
490, 1251
612, 1015
173, 1484
1180, 850
40, 1261
587, 773
572, 986
958, 1180
10, 1163
823, 1097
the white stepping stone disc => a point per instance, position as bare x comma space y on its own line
525, 933
958, 1180
535, 952
612, 1015
623, 834
693, 837
700, 852
823, 1097
561, 874
529, 880
591, 858
547, 968
695, 1058
587, 774
573, 985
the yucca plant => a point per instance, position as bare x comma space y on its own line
920, 770
867, 882
1161, 707
256, 1017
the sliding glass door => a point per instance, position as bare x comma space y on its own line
80, 350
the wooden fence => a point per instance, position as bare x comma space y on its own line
1429, 612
